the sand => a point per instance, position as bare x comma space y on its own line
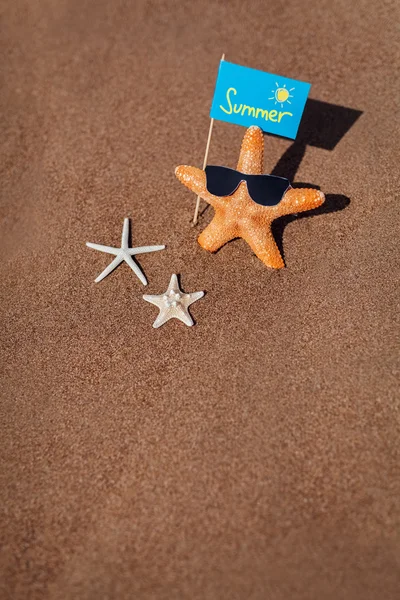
254, 456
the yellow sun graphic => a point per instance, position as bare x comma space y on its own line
281, 94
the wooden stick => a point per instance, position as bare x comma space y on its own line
196, 211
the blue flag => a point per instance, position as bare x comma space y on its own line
250, 97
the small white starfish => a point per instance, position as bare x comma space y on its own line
124, 254
174, 304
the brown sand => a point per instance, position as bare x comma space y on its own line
256, 455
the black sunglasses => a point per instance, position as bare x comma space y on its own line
266, 190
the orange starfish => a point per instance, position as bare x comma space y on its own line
238, 215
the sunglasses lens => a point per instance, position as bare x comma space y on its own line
266, 190
221, 181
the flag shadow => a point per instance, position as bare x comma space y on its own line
323, 126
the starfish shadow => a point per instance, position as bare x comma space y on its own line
333, 203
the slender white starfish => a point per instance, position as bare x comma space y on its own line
174, 304
124, 254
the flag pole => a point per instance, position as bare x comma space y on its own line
196, 211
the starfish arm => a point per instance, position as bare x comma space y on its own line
117, 260
193, 297
195, 180
106, 249
216, 234
125, 235
162, 318
261, 241
183, 315
156, 300
173, 284
144, 249
251, 157
135, 268
298, 200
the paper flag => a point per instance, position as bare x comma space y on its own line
250, 97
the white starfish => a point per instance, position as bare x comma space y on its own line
124, 254
174, 304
